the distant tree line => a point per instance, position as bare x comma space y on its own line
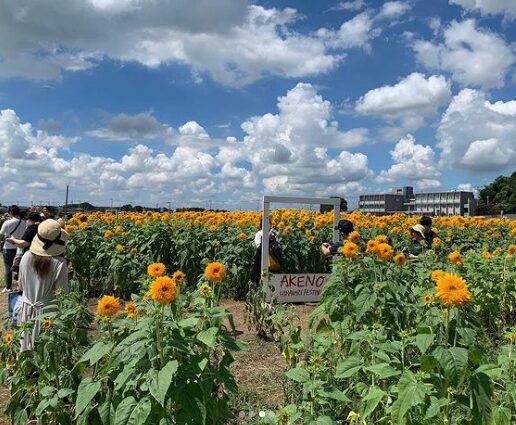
498, 196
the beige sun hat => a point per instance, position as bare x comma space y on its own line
50, 240
419, 228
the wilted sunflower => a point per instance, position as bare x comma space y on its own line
133, 251
204, 290
131, 310
399, 259
46, 324
156, 269
8, 338
350, 249
385, 251
452, 290
455, 257
163, 289
215, 271
179, 276
372, 246
108, 306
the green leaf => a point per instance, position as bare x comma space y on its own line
190, 322
141, 412
330, 391
95, 353
348, 367
410, 393
424, 341
124, 410
85, 393
298, 375
371, 400
383, 370
481, 391
324, 420
454, 362
161, 383
435, 407
65, 392
208, 337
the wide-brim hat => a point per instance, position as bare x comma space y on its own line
50, 240
419, 228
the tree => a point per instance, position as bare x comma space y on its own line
343, 205
498, 196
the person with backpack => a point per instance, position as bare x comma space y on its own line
14, 227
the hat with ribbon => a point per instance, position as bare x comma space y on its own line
50, 240
419, 228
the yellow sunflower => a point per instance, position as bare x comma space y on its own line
108, 306
436, 274
350, 249
381, 239
512, 249
83, 225
179, 276
455, 257
372, 246
119, 247
399, 259
452, 290
436, 241
354, 236
108, 234
427, 299
46, 324
385, 251
215, 271
156, 269
486, 255
163, 290
8, 338
204, 290
242, 236
68, 229
131, 310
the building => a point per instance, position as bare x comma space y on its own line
455, 202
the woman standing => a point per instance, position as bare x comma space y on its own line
43, 269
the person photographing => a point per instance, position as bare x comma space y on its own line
345, 227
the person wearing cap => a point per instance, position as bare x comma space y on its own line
418, 242
43, 269
345, 227
426, 222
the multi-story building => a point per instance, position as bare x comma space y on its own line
455, 202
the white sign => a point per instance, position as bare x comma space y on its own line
297, 287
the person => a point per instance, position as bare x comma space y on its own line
429, 234
345, 227
418, 242
43, 269
32, 222
13, 227
275, 254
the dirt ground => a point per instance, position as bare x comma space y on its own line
259, 368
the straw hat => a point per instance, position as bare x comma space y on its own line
50, 240
419, 228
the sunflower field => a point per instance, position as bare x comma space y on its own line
144, 339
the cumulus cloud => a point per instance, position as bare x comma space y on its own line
476, 134
412, 162
407, 103
393, 9
473, 56
350, 5
489, 7
298, 150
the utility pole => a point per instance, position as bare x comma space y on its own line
169, 205
66, 199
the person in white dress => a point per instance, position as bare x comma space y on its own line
43, 269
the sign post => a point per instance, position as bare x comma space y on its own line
293, 287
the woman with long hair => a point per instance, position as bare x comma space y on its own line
43, 269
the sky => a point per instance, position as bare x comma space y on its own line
218, 102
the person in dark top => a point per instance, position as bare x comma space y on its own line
33, 220
429, 234
345, 227
418, 243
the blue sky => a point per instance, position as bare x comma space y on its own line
188, 101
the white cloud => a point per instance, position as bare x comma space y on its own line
407, 103
489, 7
350, 5
476, 134
297, 150
393, 9
412, 162
473, 56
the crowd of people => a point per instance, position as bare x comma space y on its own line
33, 248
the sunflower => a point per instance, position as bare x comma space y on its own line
108, 306
46, 324
68, 229
108, 234
215, 271
486, 255
156, 269
179, 276
445, 313
133, 251
399, 259
427, 299
385, 251
119, 247
83, 225
436, 274
381, 239
242, 236
512, 249
452, 290
372, 246
350, 249
436, 241
8, 338
354, 236
204, 290
131, 310
163, 289
455, 257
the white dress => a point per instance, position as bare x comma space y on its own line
38, 292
